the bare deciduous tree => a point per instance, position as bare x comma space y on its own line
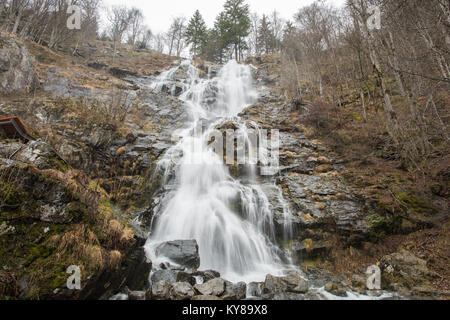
118, 17
175, 36
136, 22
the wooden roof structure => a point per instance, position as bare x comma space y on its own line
13, 128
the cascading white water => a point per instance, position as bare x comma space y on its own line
231, 221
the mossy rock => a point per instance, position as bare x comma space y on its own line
413, 203
39, 252
10, 195
381, 226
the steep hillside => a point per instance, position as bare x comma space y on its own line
105, 167
408, 208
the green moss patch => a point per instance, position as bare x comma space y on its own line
415, 204
380, 226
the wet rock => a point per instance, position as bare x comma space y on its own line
293, 283
17, 72
349, 218
186, 277
181, 291
309, 249
235, 291
161, 291
336, 289
207, 275
255, 289
178, 90
213, 70
325, 203
169, 276
172, 276
182, 252
135, 270
215, 287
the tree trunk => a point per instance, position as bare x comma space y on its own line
171, 44
17, 22
363, 103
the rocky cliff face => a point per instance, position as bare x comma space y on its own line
17, 73
53, 217
322, 205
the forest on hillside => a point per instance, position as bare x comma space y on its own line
98, 115
327, 52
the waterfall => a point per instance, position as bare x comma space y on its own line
230, 219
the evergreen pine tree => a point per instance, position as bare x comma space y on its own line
265, 35
217, 40
196, 34
237, 23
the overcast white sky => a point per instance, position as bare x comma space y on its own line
158, 13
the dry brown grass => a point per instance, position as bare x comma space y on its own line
80, 243
118, 236
115, 258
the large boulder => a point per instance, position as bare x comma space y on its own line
181, 291
255, 289
136, 268
169, 276
215, 287
206, 275
160, 291
235, 291
292, 283
403, 270
182, 252
41, 154
17, 73
172, 276
336, 288
47, 196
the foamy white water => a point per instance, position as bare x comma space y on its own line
230, 220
